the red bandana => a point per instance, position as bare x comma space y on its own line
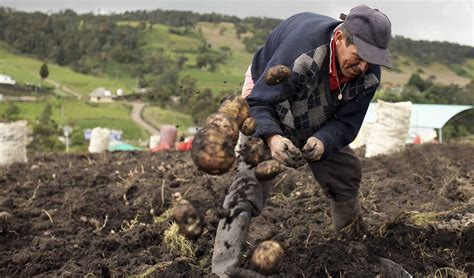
333, 74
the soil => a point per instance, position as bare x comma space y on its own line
96, 215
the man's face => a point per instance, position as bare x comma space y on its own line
349, 62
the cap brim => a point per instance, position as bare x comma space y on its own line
372, 54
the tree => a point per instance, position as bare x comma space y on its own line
44, 72
45, 131
11, 113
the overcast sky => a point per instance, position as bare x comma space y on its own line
448, 20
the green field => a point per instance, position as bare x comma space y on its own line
228, 76
82, 116
26, 70
158, 116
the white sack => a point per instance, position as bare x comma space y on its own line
13, 139
363, 136
390, 130
99, 140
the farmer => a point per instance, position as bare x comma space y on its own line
310, 118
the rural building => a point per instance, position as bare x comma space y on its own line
5, 79
102, 95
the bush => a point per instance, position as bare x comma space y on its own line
77, 138
45, 132
11, 113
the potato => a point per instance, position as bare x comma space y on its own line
249, 126
225, 124
189, 220
236, 108
253, 151
267, 170
267, 258
213, 150
277, 74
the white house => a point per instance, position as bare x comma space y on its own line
5, 79
102, 95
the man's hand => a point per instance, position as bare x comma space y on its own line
313, 149
285, 152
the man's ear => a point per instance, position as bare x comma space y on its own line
339, 37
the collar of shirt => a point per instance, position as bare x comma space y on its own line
334, 85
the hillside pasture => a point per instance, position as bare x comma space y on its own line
407, 67
221, 34
83, 115
26, 70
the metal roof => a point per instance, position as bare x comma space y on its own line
425, 115
102, 92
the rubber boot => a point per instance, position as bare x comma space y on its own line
344, 213
229, 242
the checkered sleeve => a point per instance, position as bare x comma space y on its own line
263, 101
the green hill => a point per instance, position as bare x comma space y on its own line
136, 47
156, 49
26, 70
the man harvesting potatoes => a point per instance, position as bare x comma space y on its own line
311, 117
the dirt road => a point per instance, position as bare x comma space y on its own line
136, 116
65, 89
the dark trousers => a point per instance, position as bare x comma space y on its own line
339, 176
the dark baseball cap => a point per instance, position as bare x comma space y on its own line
371, 30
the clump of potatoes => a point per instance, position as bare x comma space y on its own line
213, 150
214, 144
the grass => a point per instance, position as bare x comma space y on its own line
26, 70
229, 76
443, 74
228, 36
160, 37
423, 218
469, 66
217, 81
83, 115
158, 116
176, 242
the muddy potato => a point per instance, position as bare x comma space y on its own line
225, 124
267, 170
248, 126
253, 151
267, 258
236, 108
213, 150
277, 74
189, 220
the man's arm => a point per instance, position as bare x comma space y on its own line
262, 102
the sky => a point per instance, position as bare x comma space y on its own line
448, 20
